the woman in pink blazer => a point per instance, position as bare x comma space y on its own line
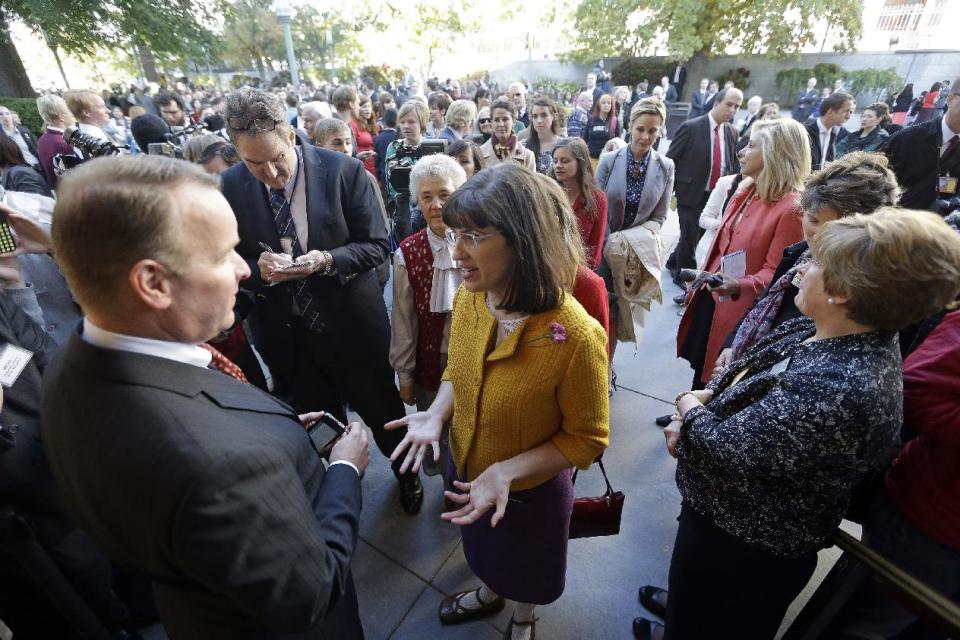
761, 220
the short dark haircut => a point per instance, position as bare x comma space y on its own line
834, 101
439, 100
166, 98
528, 209
222, 149
461, 146
10, 154
343, 97
506, 105
390, 118
292, 99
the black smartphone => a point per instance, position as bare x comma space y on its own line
325, 431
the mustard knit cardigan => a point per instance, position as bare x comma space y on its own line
532, 388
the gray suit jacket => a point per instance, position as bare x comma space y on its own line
657, 187
209, 486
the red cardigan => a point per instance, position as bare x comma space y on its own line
764, 232
593, 229
925, 478
590, 291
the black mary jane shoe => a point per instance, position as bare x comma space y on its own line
451, 612
411, 493
663, 421
508, 634
654, 600
644, 629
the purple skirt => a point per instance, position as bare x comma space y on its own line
525, 557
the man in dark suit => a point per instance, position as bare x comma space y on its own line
205, 483
670, 94
924, 157
698, 101
326, 335
703, 149
22, 136
805, 101
679, 78
826, 129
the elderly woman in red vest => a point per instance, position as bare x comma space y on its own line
425, 280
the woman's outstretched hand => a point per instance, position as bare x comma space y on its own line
423, 434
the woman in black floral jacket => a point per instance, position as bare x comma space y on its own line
768, 454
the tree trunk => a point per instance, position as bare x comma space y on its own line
149, 64
14, 81
56, 56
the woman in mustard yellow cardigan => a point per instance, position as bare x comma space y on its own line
526, 385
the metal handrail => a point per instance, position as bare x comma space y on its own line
939, 609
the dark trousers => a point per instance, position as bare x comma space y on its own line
722, 587
328, 376
683, 256
402, 226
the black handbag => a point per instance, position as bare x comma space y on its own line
597, 516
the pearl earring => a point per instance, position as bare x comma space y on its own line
829, 300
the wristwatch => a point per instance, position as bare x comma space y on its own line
329, 268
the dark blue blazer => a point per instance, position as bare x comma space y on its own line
343, 217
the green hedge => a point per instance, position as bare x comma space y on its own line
635, 70
27, 108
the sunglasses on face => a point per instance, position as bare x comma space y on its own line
485, 120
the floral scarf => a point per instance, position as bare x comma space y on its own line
504, 150
759, 320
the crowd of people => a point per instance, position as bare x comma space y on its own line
198, 284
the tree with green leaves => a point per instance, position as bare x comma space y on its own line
81, 27
684, 28
435, 25
252, 35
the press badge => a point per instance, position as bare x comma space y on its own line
13, 360
947, 185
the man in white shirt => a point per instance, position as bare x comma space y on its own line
21, 135
201, 481
824, 132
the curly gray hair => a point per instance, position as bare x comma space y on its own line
436, 166
248, 102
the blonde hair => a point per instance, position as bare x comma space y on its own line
785, 148
896, 266
80, 100
461, 113
418, 109
54, 110
648, 106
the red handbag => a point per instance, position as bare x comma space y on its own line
599, 516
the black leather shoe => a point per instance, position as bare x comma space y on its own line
654, 600
451, 612
680, 299
644, 629
411, 492
662, 421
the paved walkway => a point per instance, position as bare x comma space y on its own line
405, 565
